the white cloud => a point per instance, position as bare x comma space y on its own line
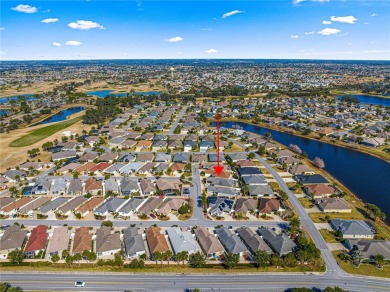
295, 36
55, 44
329, 31
310, 32
73, 43
344, 19
231, 13
25, 9
211, 51
374, 14
85, 25
50, 20
300, 1
326, 22
2, 28
174, 39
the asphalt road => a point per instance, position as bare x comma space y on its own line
205, 282
174, 125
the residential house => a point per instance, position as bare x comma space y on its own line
129, 186
279, 243
42, 186
72, 205
300, 169
267, 206
312, 179
34, 205
111, 205
131, 206
111, 186
133, 242
147, 187
181, 157
319, 190
156, 241
150, 205
370, 248
171, 204
62, 155
218, 206
163, 157
75, 187
59, 241
205, 145
12, 239
14, 207
352, 228
182, 241
52, 205
333, 205
168, 186
260, 190
89, 206
37, 241
208, 242
59, 186
93, 186
82, 240
107, 243
231, 242
245, 205
253, 241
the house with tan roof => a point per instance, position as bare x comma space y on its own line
177, 167
85, 167
82, 240
319, 190
143, 144
147, 187
34, 205
59, 241
14, 207
156, 241
168, 186
245, 205
37, 241
208, 242
93, 186
298, 169
150, 205
12, 239
89, 206
333, 205
171, 204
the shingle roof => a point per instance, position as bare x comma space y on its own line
37, 240
59, 241
230, 241
352, 227
133, 241
82, 240
252, 240
280, 243
105, 241
208, 242
12, 238
181, 240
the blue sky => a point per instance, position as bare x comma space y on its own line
95, 29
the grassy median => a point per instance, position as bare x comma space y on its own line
42, 133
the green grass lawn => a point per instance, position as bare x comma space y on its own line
328, 237
305, 203
364, 269
42, 133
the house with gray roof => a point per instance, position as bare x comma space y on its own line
133, 242
213, 157
223, 182
181, 157
130, 167
254, 180
218, 206
162, 157
370, 248
72, 205
280, 243
111, 205
14, 174
42, 186
238, 156
147, 187
188, 145
126, 157
30, 207
231, 242
52, 205
111, 185
131, 206
75, 187
128, 186
260, 190
352, 228
150, 205
205, 145
182, 241
312, 179
253, 241
59, 186
62, 155
115, 168
222, 191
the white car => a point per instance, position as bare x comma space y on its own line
79, 284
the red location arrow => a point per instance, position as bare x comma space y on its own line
218, 169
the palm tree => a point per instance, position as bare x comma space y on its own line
168, 255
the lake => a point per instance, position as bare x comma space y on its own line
366, 176
6, 98
62, 115
104, 93
371, 99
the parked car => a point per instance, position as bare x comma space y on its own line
152, 215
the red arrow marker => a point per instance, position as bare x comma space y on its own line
218, 169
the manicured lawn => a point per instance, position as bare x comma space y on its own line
42, 133
364, 269
305, 202
328, 237
275, 186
